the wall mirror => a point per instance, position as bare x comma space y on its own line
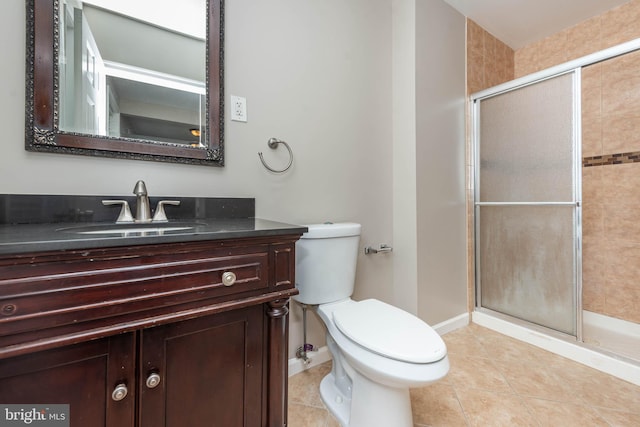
135, 79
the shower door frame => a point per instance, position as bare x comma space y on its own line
575, 203
575, 67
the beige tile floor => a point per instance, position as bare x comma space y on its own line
495, 381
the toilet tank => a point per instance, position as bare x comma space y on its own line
326, 258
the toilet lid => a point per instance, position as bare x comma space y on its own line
389, 331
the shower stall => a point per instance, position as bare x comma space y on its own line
545, 252
527, 207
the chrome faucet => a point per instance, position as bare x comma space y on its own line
143, 209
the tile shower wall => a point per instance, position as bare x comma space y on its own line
613, 27
611, 177
611, 151
489, 61
610, 146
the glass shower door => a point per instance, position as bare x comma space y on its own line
527, 207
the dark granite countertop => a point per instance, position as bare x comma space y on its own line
39, 223
22, 238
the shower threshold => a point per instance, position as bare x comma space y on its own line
604, 361
610, 334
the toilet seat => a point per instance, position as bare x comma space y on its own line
389, 331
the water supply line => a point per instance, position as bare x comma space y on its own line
301, 352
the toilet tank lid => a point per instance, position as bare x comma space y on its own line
328, 230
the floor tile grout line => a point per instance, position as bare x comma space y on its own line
602, 415
532, 413
498, 367
310, 405
464, 413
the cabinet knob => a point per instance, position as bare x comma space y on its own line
153, 380
120, 392
228, 278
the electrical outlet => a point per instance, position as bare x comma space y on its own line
238, 108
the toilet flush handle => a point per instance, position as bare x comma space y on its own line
382, 249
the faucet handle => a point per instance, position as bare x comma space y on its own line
159, 215
125, 213
140, 189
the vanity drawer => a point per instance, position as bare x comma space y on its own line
113, 284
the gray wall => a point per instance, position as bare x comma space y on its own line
440, 160
316, 74
428, 75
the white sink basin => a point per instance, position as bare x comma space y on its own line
134, 230
131, 229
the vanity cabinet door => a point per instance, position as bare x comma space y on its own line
83, 376
203, 372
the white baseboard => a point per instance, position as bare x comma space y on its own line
317, 357
452, 324
323, 355
574, 351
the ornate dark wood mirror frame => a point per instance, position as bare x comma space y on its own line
43, 92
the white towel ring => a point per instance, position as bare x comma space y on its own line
273, 143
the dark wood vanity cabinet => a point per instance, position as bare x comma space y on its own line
212, 370
80, 375
194, 333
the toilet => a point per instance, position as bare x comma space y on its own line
379, 351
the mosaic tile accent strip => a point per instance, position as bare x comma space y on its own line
611, 159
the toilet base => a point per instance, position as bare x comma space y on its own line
338, 404
375, 405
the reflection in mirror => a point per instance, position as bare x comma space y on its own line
131, 78
106, 89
